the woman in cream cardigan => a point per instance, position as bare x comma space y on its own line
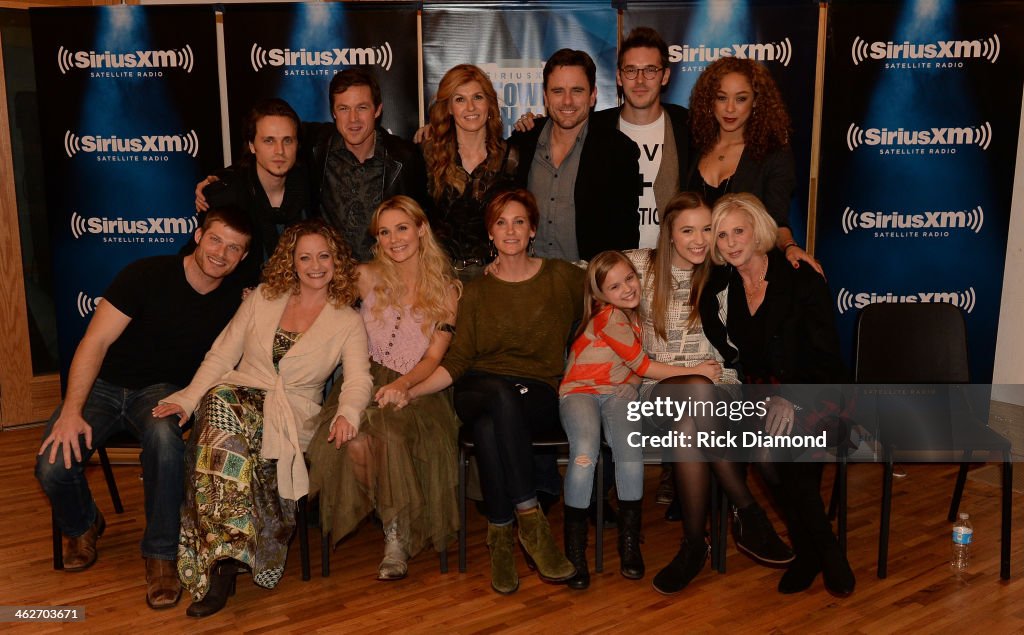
255, 395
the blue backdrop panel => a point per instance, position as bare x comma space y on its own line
783, 36
511, 43
128, 105
292, 51
922, 109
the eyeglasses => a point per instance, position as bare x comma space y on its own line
650, 72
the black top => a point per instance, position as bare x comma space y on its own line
458, 219
771, 179
240, 186
792, 337
605, 193
172, 326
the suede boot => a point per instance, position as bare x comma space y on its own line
501, 543
576, 530
222, 585
163, 588
683, 568
631, 561
541, 550
756, 537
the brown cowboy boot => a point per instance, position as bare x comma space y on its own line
163, 589
80, 551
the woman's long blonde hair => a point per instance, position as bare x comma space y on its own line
439, 151
593, 299
435, 277
658, 277
279, 275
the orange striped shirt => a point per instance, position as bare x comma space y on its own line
608, 353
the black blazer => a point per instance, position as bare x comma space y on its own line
606, 190
771, 179
680, 118
799, 340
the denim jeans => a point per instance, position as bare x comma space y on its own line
111, 409
583, 417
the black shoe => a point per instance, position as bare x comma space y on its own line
222, 585
756, 537
631, 561
836, 572
611, 519
576, 529
683, 568
800, 575
674, 513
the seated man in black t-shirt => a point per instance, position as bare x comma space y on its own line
146, 340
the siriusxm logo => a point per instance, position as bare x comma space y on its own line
988, 48
81, 225
980, 136
781, 52
172, 58
86, 305
261, 58
187, 143
847, 301
971, 219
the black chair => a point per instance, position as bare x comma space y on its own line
915, 344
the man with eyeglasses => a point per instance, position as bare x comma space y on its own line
660, 130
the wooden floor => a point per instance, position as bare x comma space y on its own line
920, 594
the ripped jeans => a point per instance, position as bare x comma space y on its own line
583, 416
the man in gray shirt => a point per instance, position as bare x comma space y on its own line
586, 180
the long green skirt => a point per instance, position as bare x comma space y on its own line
401, 464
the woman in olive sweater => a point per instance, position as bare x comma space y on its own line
506, 361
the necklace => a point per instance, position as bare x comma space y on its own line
721, 157
751, 293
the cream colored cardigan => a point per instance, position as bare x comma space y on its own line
242, 356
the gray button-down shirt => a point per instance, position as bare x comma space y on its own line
554, 189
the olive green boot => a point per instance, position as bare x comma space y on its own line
501, 542
541, 551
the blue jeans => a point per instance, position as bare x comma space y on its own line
111, 409
583, 416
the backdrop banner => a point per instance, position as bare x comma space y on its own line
292, 51
129, 114
922, 110
512, 42
783, 36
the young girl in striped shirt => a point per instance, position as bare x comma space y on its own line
605, 367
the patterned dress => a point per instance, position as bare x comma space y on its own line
411, 471
231, 507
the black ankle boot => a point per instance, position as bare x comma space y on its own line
835, 569
683, 568
800, 575
756, 537
576, 529
222, 585
631, 561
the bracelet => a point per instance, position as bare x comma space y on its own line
791, 243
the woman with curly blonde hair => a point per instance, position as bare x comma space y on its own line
402, 463
741, 130
466, 157
255, 397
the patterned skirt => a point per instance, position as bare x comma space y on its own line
231, 507
401, 464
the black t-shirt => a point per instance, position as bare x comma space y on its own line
172, 325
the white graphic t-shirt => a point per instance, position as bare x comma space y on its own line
651, 139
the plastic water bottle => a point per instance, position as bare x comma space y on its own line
963, 533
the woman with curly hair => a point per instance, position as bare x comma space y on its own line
740, 127
402, 462
255, 396
466, 157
